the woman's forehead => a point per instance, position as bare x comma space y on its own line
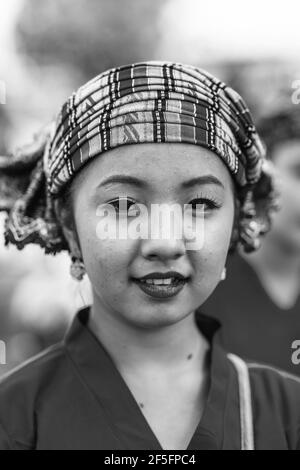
152, 163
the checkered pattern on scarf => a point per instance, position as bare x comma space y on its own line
154, 102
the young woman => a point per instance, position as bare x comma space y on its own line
141, 367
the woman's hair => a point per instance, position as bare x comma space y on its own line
254, 211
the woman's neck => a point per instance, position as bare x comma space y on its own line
168, 348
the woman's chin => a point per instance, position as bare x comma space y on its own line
156, 316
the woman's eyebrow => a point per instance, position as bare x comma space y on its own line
204, 179
123, 179
127, 179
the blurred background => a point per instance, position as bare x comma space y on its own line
49, 48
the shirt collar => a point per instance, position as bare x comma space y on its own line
99, 372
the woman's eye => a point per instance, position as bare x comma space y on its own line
125, 207
202, 205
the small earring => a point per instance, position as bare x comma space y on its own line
223, 275
77, 269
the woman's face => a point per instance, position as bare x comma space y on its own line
153, 174
286, 225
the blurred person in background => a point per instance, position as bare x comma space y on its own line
140, 368
267, 283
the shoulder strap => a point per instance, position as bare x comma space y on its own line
246, 415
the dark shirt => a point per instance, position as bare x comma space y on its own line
72, 396
252, 325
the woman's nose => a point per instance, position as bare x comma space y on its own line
171, 248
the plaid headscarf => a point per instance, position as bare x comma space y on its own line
138, 103
154, 102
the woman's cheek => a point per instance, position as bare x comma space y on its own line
211, 260
113, 257
217, 234
106, 255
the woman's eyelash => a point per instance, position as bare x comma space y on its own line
209, 201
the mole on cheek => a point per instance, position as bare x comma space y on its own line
141, 405
189, 357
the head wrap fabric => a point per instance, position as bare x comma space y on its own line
24, 196
154, 102
139, 103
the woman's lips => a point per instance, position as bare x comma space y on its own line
161, 288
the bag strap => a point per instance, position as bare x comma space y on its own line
246, 415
